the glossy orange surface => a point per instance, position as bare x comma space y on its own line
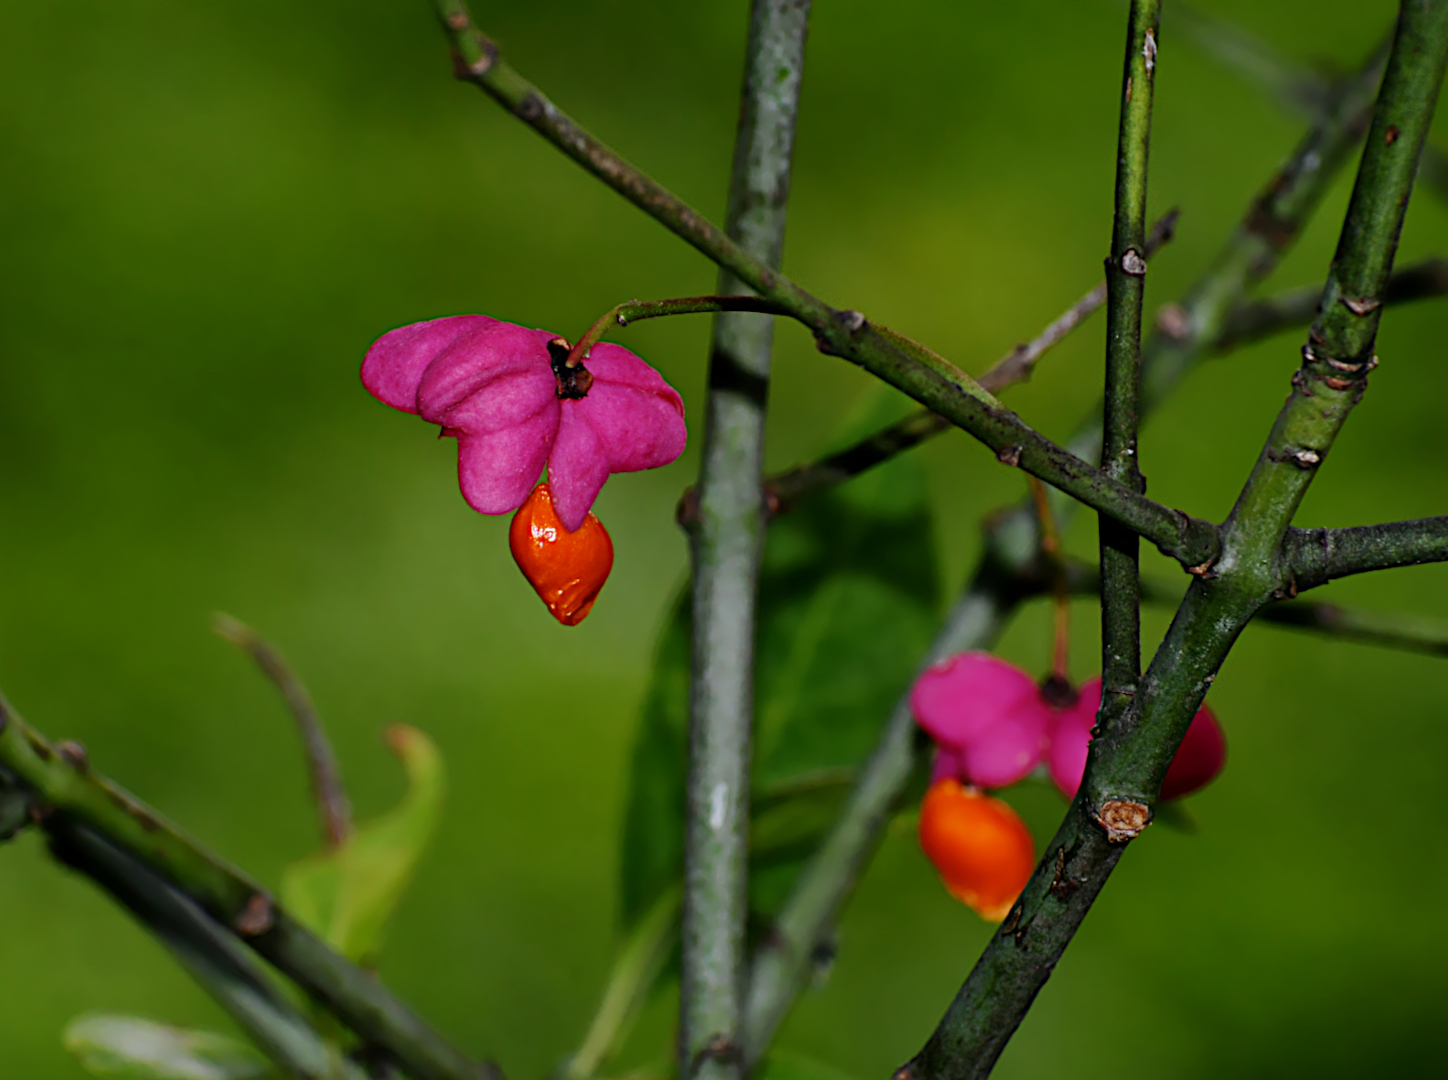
982, 849
566, 569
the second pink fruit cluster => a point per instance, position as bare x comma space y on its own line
992, 727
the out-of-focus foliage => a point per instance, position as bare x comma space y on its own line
209, 210
347, 895
848, 598
127, 1046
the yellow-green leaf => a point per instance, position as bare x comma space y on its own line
348, 895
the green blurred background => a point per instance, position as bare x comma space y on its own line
209, 210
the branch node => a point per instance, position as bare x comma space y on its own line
73, 754
1364, 305
1133, 264
1122, 819
719, 1048
1009, 455
1174, 321
257, 917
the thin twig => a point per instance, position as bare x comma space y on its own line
1130, 757
1317, 556
1298, 307
917, 372
1010, 567
1291, 84
1388, 630
1244, 323
212, 955
727, 544
1017, 365
785, 489
64, 784
333, 807
1407, 633
632, 311
1120, 548
640, 961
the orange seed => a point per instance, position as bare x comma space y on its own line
566, 569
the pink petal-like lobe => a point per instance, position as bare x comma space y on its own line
1199, 759
1067, 757
496, 376
631, 419
491, 385
1009, 749
949, 764
961, 698
497, 469
393, 366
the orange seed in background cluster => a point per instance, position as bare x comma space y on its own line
982, 849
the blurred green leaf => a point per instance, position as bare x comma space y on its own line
348, 895
112, 1045
848, 603
787, 1065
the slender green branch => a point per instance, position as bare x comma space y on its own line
211, 954
1408, 633
1018, 364
1390, 630
915, 371
1317, 556
1011, 567
1289, 82
1339, 351
1126, 285
727, 543
639, 963
783, 963
784, 490
1129, 758
333, 806
1244, 323
63, 783
1298, 307
631, 311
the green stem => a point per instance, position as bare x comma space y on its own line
64, 783
783, 963
1390, 630
913, 370
1245, 323
1339, 351
727, 544
1317, 556
1011, 567
639, 964
1128, 759
333, 807
631, 311
1409, 633
1298, 307
212, 955
785, 489
1125, 284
